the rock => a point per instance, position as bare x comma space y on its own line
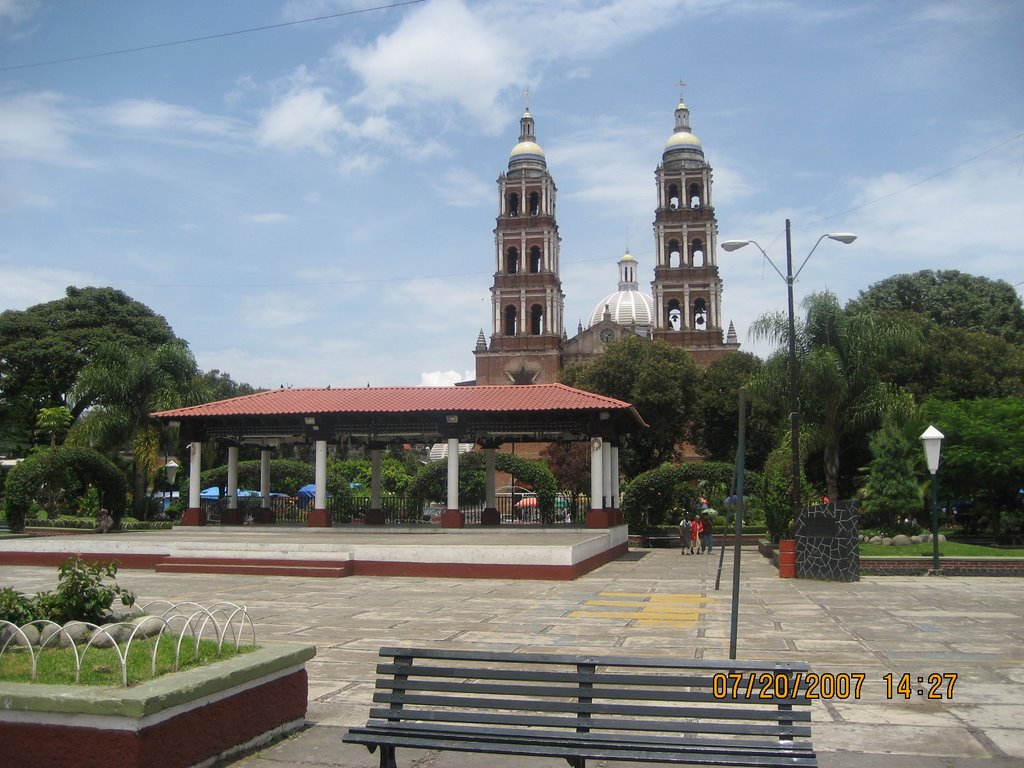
48, 631
886, 541
148, 625
875, 540
74, 632
900, 540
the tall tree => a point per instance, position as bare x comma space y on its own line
841, 397
124, 385
715, 427
951, 299
659, 380
43, 349
891, 492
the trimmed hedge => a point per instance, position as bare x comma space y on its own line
69, 468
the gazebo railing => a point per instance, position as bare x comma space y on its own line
398, 510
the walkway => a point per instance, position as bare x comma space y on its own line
656, 602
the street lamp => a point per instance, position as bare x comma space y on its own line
931, 439
790, 278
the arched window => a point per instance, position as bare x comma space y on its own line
512, 261
697, 252
510, 320
695, 196
700, 314
513, 204
534, 204
673, 196
675, 256
535, 260
675, 316
536, 320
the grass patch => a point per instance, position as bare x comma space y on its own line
946, 549
102, 666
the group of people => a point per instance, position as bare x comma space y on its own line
696, 534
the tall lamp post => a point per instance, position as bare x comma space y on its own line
931, 439
790, 278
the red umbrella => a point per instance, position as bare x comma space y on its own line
529, 501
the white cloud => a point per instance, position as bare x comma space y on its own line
459, 187
270, 217
444, 378
151, 114
23, 287
441, 53
35, 126
304, 119
14, 13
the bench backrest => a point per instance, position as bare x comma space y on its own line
592, 694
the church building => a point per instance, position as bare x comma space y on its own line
528, 343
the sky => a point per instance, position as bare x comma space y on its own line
306, 189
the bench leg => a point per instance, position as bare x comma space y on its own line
577, 762
387, 757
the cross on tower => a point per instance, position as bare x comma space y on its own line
682, 85
526, 97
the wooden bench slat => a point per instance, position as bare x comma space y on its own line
738, 665
695, 756
592, 708
551, 691
490, 717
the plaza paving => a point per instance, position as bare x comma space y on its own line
655, 603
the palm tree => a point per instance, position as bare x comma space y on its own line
125, 385
840, 392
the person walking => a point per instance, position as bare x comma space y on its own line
707, 532
695, 529
684, 535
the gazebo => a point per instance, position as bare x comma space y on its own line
489, 416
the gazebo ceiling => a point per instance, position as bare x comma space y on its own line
530, 413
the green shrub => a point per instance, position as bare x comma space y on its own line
15, 607
81, 594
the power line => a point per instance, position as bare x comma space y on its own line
219, 35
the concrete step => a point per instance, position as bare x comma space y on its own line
256, 567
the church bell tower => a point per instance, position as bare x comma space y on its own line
687, 288
526, 297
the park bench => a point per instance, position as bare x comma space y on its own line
579, 708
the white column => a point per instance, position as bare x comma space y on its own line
265, 477
320, 499
453, 473
195, 469
233, 477
606, 474
375, 478
596, 466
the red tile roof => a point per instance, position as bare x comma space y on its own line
536, 397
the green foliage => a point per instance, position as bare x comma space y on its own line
431, 483
951, 299
891, 492
53, 421
44, 347
662, 495
714, 430
15, 607
659, 380
982, 454
842, 399
59, 476
286, 476
775, 497
81, 595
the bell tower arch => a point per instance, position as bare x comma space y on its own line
687, 288
527, 325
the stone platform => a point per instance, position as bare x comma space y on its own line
515, 552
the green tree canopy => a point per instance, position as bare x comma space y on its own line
124, 385
43, 349
659, 380
842, 398
891, 492
715, 427
983, 451
951, 299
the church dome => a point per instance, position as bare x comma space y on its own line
628, 305
527, 148
683, 141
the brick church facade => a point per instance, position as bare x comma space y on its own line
528, 342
